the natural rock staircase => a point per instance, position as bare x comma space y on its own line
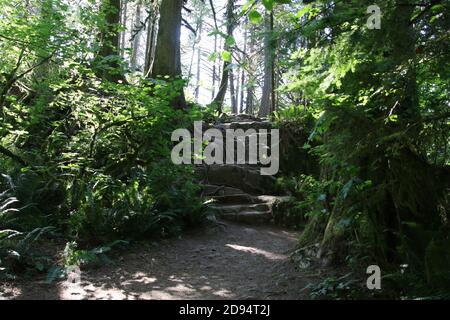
240, 193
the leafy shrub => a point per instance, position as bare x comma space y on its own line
16, 246
97, 162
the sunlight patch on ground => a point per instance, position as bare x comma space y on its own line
266, 254
6, 292
223, 293
142, 280
77, 292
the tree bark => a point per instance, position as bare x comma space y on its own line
214, 72
151, 38
168, 48
269, 56
124, 23
250, 81
233, 93
220, 97
244, 58
137, 37
199, 61
109, 53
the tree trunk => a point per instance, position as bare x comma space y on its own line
214, 73
218, 100
199, 61
109, 53
244, 58
250, 81
124, 23
269, 56
233, 93
214, 69
151, 38
137, 36
168, 50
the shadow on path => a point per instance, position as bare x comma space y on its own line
240, 262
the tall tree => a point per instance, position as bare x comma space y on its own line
249, 102
234, 109
137, 35
267, 100
124, 24
151, 37
214, 68
230, 22
244, 59
199, 62
109, 53
168, 52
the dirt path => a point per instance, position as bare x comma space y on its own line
238, 262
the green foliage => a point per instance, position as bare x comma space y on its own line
107, 152
81, 155
343, 287
381, 136
16, 240
74, 259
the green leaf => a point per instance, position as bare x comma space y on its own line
213, 57
268, 4
247, 5
226, 56
230, 41
303, 11
255, 17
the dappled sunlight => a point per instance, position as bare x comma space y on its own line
238, 264
256, 251
81, 292
143, 286
9, 291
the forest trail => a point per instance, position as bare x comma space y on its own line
239, 256
234, 261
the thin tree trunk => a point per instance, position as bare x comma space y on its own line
267, 97
244, 58
149, 41
214, 74
137, 37
199, 61
232, 93
249, 104
220, 97
151, 38
238, 90
196, 41
124, 24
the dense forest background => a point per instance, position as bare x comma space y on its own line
91, 90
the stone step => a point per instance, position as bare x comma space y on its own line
236, 198
244, 125
248, 217
237, 208
246, 178
219, 191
